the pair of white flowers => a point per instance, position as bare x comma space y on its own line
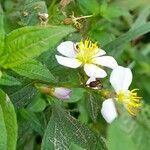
93, 59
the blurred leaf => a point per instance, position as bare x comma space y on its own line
142, 18
29, 12
130, 4
29, 42
63, 130
123, 39
34, 70
88, 7
132, 134
8, 80
110, 12
3, 131
10, 120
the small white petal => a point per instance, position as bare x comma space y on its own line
62, 93
108, 110
67, 49
107, 61
100, 53
94, 71
121, 78
91, 79
68, 62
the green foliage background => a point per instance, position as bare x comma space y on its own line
31, 120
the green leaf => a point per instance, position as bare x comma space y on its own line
76, 94
88, 6
128, 134
93, 104
22, 95
142, 18
38, 104
130, 35
32, 120
75, 147
10, 120
3, 131
63, 130
34, 70
29, 42
111, 12
2, 31
8, 80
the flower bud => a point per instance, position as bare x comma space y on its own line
61, 93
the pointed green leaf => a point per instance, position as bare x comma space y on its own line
34, 70
8, 80
29, 42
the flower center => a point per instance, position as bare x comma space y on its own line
86, 50
130, 99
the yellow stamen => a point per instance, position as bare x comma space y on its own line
86, 51
131, 101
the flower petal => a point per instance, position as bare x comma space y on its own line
108, 110
67, 49
107, 61
91, 79
94, 71
68, 62
121, 78
100, 53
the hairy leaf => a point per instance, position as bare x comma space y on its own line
93, 105
63, 130
21, 96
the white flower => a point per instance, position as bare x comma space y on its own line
121, 79
87, 54
108, 110
61, 93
